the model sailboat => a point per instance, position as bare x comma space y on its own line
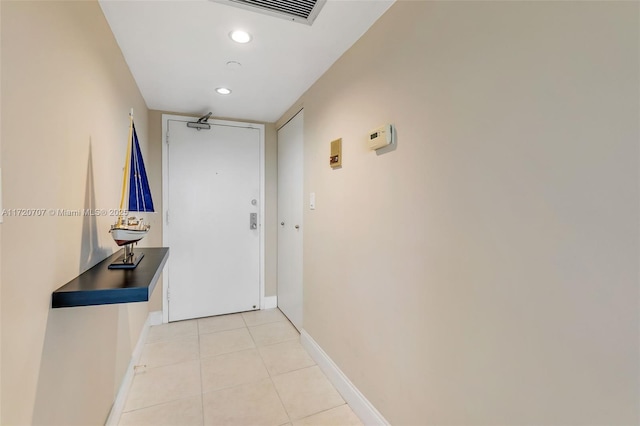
135, 186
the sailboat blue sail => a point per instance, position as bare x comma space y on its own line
128, 230
139, 193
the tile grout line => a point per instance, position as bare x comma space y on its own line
276, 389
222, 331
266, 323
152, 369
241, 384
271, 378
147, 369
255, 348
159, 404
237, 385
323, 411
199, 358
254, 381
291, 419
175, 362
228, 353
294, 370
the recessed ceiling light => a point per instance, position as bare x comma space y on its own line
234, 65
223, 90
240, 36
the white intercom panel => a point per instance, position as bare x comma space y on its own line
381, 137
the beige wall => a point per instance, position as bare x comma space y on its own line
486, 270
66, 95
271, 195
155, 159
0, 225
271, 211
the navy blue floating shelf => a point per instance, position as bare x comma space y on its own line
103, 286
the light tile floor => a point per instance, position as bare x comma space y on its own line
240, 369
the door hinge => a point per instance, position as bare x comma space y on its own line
167, 138
168, 293
167, 217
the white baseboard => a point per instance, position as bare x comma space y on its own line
269, 302
356, 400
154, 318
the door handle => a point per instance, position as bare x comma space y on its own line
253, 220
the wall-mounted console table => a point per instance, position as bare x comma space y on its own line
103, 286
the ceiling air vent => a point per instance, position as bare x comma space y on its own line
303, 11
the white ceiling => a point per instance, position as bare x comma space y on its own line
177, 51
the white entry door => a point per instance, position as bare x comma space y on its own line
290, 205
213, 220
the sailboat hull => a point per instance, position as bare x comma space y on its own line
124, 236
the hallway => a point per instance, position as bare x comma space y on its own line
238, 369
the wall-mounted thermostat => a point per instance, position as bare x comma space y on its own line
382, 136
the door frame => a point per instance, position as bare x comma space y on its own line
301, 207
165, 198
